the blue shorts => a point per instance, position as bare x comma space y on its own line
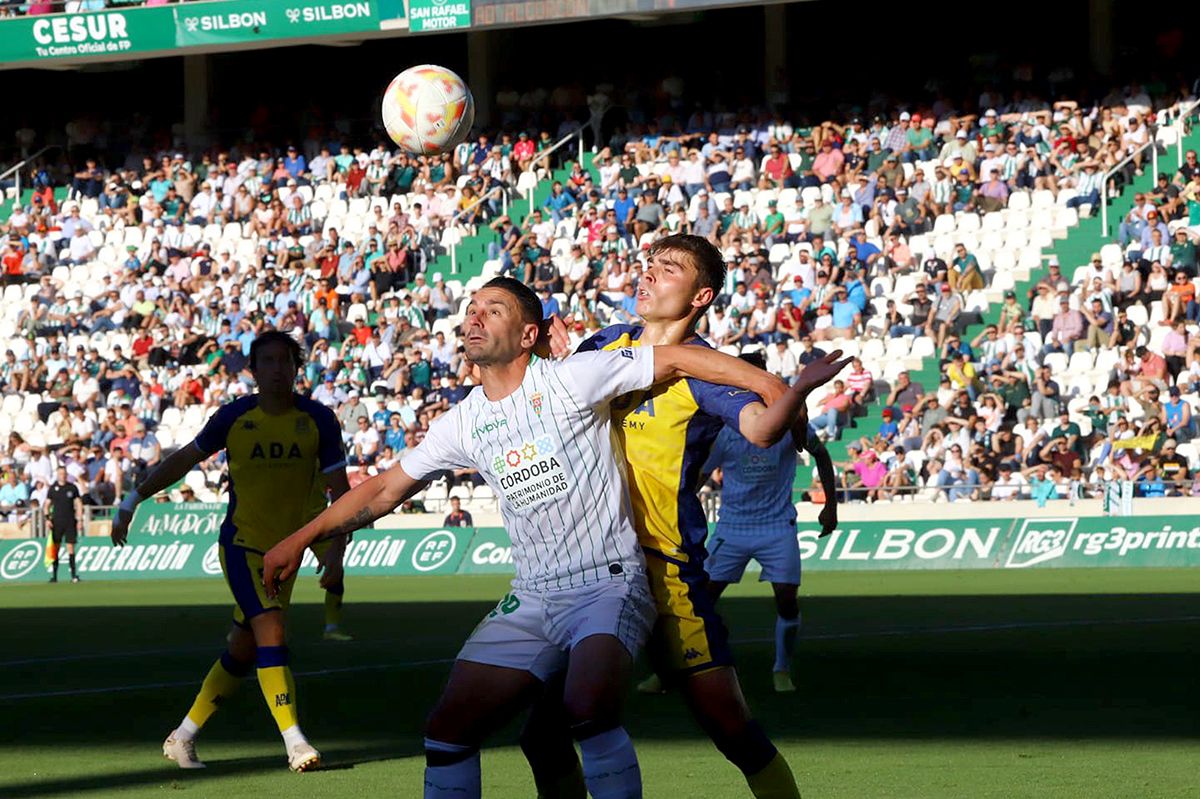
778, 553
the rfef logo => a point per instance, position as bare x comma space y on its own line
1040, 540
20, 560
434, 550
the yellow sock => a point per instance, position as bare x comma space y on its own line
774, 781
278, 685
222, 681
564, 786
333, 607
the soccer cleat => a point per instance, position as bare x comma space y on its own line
337, 635
783, 683
651, 685
54, 578
182, 751
303, 757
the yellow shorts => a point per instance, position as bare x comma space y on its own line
243, 569
689, 636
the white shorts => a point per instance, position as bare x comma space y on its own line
778, 554
536, 631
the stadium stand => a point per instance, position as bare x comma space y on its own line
1006, 347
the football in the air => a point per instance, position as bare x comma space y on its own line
428, 109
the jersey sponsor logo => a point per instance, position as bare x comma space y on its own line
489, 427
274, 451
529, 473
434, 550
283, 700
1040, 540
20, 560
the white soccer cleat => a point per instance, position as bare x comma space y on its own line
303, 757
182, 751
783, 682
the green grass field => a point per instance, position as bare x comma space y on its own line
1047, 683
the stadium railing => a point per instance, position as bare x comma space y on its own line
1176, 127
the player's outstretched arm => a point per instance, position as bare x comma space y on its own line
330, 567
166, 474
359, 507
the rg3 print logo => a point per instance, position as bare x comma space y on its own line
1039, 541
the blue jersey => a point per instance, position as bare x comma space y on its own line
756, 494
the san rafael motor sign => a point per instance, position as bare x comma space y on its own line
438, 15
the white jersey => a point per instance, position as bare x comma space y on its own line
547, 451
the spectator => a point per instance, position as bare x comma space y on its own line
457, 517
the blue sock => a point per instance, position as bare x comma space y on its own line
451, 771
786, 631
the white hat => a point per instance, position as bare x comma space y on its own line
905, 116
991, 112
437, 277
962, 134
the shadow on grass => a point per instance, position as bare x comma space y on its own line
335, 759
1075, 667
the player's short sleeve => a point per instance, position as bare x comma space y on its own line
213, 435
441, 449
724, 402
597, 377
600, 340
330, 453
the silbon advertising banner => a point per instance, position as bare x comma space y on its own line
164, 29
180, 540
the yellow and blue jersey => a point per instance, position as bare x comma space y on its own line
666, 433
277, 467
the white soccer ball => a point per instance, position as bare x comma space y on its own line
428, 109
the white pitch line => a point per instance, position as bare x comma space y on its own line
973, 628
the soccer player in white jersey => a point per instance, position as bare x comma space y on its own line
540, 434
757, 521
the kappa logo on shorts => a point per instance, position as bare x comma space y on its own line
627, 353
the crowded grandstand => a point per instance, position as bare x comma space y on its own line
921, 238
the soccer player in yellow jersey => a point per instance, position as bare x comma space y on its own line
666, 433
283, 451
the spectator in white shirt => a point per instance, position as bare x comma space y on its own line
366, 443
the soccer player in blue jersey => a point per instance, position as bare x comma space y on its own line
284, 451
666, 434
757, 521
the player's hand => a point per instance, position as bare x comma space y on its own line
553, 342
120, 528
821, 371
828, 518
770, 388
279, 564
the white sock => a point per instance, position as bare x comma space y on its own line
610, 766
186, 730
459, 780
786, 631
292, 736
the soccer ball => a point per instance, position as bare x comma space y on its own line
428, 110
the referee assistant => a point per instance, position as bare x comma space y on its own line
66, 516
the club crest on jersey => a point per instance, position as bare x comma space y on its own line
535, 400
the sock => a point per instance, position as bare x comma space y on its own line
277, 684
292, 736
786, 631
71, 562
610, 766
451, 771
54, 572
333, 606
774, 782
222, 681
569, 785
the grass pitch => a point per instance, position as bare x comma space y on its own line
1049, 683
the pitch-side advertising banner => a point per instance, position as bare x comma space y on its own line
180, 540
